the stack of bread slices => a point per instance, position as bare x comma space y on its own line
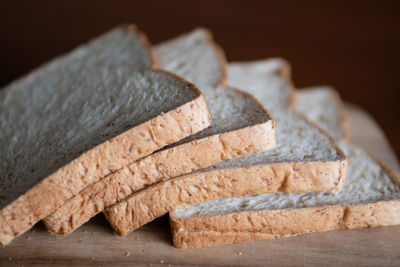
232, 151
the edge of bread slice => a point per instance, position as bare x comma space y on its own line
241, 126
323, 106
55, 171
370, 198
306, 159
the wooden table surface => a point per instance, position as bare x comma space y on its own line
96, 244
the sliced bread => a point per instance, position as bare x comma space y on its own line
370, 198
268, 80
82, 116
323, 106
240, 127
305, 159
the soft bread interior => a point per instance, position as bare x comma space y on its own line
265, 79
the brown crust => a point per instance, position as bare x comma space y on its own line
247, 226
158, 167
138, 142
155, 201
269, 224
284, 223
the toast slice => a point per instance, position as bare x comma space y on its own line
305, 159
323, 106
82, 116
269, 80
370, 198
240, 127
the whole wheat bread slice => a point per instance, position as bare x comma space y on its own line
323, 106
305, 159
370, 198
82, 116
240, 127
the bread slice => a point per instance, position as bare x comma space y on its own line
323, 106
268, 80
370, 198
195, 56
240, 127
305, 159
82, 116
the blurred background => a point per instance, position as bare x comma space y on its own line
351, 45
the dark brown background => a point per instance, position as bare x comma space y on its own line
352, 45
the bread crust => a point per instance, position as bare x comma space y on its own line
285, 223
202, 186
158, 167
269, 224
138, 142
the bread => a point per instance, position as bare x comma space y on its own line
322, 105
268, 80
195, 56
281, 215
240, 127
82, 116
305, 159
370, 198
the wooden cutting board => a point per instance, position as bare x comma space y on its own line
96, 244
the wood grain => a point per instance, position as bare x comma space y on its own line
96, 244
